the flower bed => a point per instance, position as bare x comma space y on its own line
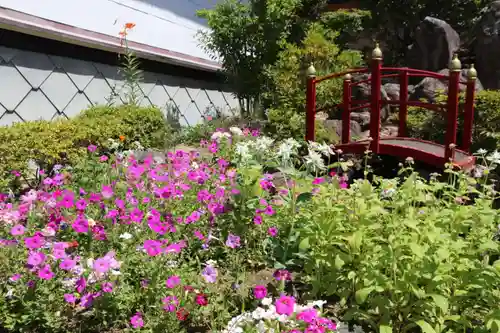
116, 244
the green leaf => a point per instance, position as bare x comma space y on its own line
302, 197
385, 329
425, 326
304, 244
440, 301
339, 262
362, 294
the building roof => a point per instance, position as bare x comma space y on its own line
165, 29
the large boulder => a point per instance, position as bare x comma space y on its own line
487, 47
335, 126
435, 43
429, 88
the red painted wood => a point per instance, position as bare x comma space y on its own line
452, 115
403, 102
310, 108
468, 115
346, 112
334, 75
376, 85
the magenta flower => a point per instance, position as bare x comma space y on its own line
15, 277
67, 264
260, 292
45, 273
103, 158
70, 298
282, 274
272, 231
81, 225
209, 274
34, 242
36, 258
233, 241
107, 192
92, 148
285, 305
308, 316
107, 287
152, 247
173, 281
257, 219
101, 265
17, 230
80, 285
137, 321
170, 303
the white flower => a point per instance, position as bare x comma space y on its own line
126, 236
292, 142
315, 161
90, 262
219, 135
266, 301
494, 157
481, 151
325, 150
236, 131
285, 151
243, 150
258, 313
263, 144
211, 262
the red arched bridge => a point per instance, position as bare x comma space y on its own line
401, 145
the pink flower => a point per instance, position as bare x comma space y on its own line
170, 303
137, 321
17, 230
103, 158
69, 298
34, 242
101, 265
282, 274
260, 292
272, 231
173, 281
152, 247
67, 264
308, 316
201, 300
107, 287
45, 273
107, 192
257, 219
15, 277
92, 148
36, 258
284, 305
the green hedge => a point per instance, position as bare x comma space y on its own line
430, 125
65, 141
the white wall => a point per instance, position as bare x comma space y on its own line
166, 24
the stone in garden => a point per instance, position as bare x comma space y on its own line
430, 87
435, 43
487, 47
335, 125
362, 92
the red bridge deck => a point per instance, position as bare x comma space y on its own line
401, 146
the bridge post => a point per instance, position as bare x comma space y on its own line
346, 112
403, 102
469, 108
310, 103
376, 81
452, 108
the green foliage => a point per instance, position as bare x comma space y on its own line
430, 125
248, 37
64, 141
286, 97
349, 24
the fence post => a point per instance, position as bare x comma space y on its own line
469, 108
310, 102
403, 102
346, 112
452, 112
376, 81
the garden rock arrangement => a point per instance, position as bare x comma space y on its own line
487, 47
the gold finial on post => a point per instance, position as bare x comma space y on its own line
377, 52
455, 64
311, 71
347, 77
472, 73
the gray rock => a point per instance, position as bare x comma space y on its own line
487, 47
430, 87
362, 92
435, 43
335, 126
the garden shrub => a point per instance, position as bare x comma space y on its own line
64, 141
431, 125
285, 99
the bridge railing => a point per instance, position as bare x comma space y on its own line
377, 73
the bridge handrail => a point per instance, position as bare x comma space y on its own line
334, 75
